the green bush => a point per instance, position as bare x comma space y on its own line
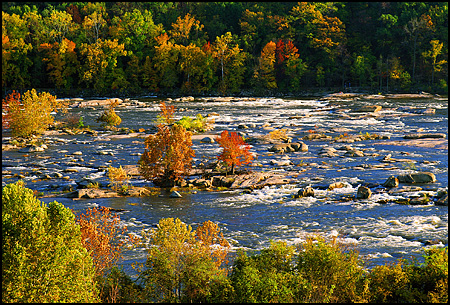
199, 124
43, 259
117, 287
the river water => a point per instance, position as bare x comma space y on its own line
382, 232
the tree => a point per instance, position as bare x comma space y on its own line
61, 62
265, 71
100, 63
182, 29
165, 62
57, 25
183, 264
43, 258
432, 54
32, 113
235, 151
168, 153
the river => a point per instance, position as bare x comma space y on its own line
382, 232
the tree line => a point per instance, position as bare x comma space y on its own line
224, 47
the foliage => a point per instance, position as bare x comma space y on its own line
213, 47
109, 117
32, 113
199, 124
167, 113
43, 257
267, 277
101, 235
235, 151
117, 177
278, 134
168, 153
180, 263
12, 98
333, 273
118, 287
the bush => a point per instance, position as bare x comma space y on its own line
181, 264
32, 113
109, 116
43, 258
199, 124
117, 287
119, 178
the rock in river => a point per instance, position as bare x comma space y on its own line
421, 177
363, 193
392, 181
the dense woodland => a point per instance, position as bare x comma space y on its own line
208, 48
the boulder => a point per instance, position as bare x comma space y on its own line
419, 200
443, 201
425, 135
335, 185
209, 140
369, 108
354, 153
363, 192
392, 181
175, 194
421, 177
281, 162
305, 192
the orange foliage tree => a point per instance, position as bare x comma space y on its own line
12, 98
101, 236
168, 153
235, 151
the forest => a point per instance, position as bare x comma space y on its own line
215, 48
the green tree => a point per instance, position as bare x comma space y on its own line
43, 259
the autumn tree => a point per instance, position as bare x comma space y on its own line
183, 28
32, 114
168, 153
265, 74
15, 52
100, 63
61, 62
183, 265
165, 62
235, 151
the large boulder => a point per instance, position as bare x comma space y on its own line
363, 192
421, 177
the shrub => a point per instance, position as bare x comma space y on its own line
278, 134
109, 116
168, 153
199, 124
43, 258
181, 264
118, 176
333, 273
32, 113
235, 151
12, 98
